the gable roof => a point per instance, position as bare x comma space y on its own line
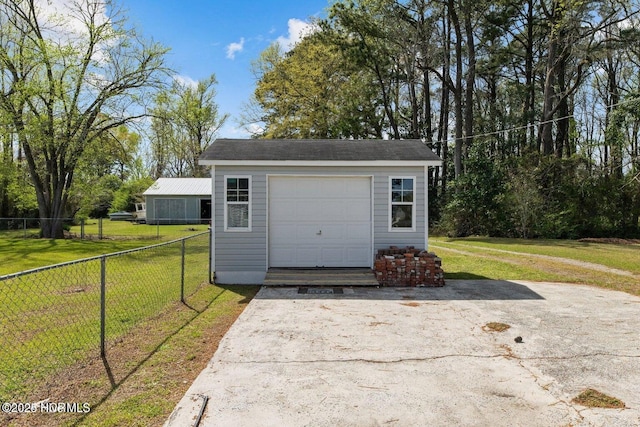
233, 151
180, 187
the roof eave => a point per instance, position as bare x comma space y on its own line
178, 194
334, 163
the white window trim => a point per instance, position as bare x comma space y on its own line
413, 206
226, 210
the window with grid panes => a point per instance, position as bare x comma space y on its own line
402, 203
237, 203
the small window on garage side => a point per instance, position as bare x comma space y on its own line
402, 204
237, 203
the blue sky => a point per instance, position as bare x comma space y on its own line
222, 38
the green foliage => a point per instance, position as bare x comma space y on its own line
108, 162
559, 181
96, 196
525, 202
616, 209
314, 91
67, 86
577, 203
542, 197
17, 196
477, 204
23, 198
129, 194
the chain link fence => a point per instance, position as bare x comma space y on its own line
104, 228
53, 317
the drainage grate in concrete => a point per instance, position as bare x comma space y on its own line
320, 291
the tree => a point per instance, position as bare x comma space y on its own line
477, 203
185, 122
107, 162
364, 35
129, 194
576, 36
68, 77
313, 92
17, 197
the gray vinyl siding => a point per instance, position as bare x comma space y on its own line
241, 250
191, 212
247, 251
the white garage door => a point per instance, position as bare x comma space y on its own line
319, 221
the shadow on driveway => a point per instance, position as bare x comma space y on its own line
454, 290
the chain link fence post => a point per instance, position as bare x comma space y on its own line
99, 228
82, 229
182, 273
103, 298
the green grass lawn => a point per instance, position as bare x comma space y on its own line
50, 319
156, 346
126, 229
484, 258
623, 257
19, 254
147, 371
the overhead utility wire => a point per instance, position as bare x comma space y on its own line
535, 124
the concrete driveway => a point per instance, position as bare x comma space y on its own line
422, 357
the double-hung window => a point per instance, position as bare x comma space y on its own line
402, 207
237, 203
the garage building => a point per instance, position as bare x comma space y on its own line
178, 201
313, 203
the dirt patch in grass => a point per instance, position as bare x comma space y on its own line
495, 327
614, 240
595, 399
147, 372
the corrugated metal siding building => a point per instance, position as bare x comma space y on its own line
179, 201
316, 203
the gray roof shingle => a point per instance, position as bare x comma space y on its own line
318, 149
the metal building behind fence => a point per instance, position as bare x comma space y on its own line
179, 201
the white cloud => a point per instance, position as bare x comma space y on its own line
234, 48
255, 129
242, 132
66, 23
297, 30
66, 18
185, 81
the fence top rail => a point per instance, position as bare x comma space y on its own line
97, 257
103, 219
